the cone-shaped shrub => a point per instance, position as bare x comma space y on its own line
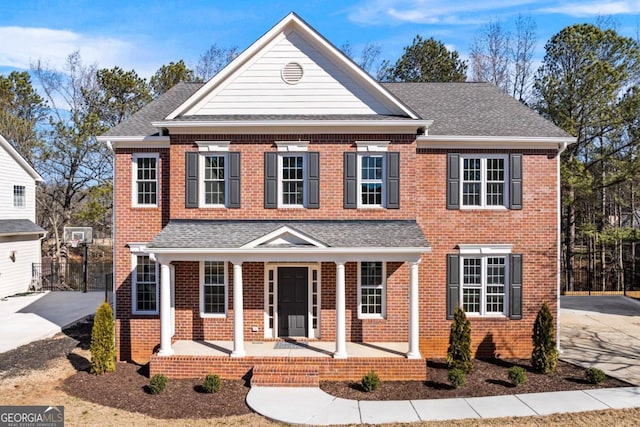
545, 355
459, 351
103, 348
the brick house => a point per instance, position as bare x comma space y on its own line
292, 211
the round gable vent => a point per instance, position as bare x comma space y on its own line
292, 73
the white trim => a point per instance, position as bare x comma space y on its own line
483, 181
383, 188
372, 146
292, 146
12, 152
383, 314
489, 142
134, 285
136, 141
280, 186
483, 284
201, 175
280, 232
22, 198
134, 179
202, 285
213, 146
485, 249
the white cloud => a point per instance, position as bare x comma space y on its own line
582, 9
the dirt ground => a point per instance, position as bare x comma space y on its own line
53, 372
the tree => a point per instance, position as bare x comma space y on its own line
103, 343
168, 76
459, 350
545, 355
213, 60
368, 56
525, 44
426, 61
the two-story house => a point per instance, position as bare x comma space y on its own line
292, 210
20, 237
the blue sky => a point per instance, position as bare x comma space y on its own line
145, 34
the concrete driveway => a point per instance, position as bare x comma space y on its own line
602, 332
32, 317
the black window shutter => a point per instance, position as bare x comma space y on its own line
234, 180
515, 181
453, 181
453, 284
350, 180
393, 180
313, 180
515, 288
270, 180
191, 184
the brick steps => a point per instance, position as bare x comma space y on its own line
285, 375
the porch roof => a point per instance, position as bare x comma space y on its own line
181, 236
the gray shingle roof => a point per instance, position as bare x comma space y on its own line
19, 226
192, 234
473, 109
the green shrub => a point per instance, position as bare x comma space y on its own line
370, 381
457, 377
212, 383
545, 355
594, 375
517, 375
103, 344
157, 384
459, 351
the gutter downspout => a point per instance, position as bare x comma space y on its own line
561, 147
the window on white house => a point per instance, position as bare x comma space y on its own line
292, 180
371, 180
145, 175
484, 282
371, 289
484, 181
213, 296
145, 286
19, 196
213, 186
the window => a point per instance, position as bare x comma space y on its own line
145, 286
484, 181
484, 281
213, 292
371, 180
291, 180
19, 196
371, 289
213, 185
145, 175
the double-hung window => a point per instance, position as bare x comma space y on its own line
213, 180
292, 177
484, 282
372, 289
484, 181
372, 177
145, 285
212, 176
291, 188
145, 177
371, 180
19, 196
213, 289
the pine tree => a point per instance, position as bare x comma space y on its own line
103, 348
545, 355
459, 351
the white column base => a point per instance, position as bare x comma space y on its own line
166, 352
337, 355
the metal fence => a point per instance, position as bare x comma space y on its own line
68, 276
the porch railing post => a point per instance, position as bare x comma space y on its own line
165, 310
238, 315
341, 340
414, 324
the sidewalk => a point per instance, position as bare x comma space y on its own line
313, 406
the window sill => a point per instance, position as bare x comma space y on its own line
144, 206
487, 316
212, 316
371, 207
484, 208
371, 317
145, 313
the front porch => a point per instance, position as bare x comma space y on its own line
296, 362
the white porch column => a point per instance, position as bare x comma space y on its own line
341, 340
238, 314
165, 310
414, 325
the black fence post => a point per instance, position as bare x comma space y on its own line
85, 271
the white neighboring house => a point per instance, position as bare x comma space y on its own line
20, 237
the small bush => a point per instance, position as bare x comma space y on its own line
370, 381
594, 375
517, 375
544, 357
212, 383
103, 347
459, 351
457, 377
157, 384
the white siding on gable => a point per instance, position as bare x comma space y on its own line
14, 174
258, 87
15, 274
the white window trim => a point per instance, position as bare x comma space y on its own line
292, 146
213, 146
383, 198
483, 280
136, 251
226, 291
134, 179
372, 146
24, 196
483, 181
305, 185
201, 186
383, 314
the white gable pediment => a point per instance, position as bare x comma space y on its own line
285, 236
292, 70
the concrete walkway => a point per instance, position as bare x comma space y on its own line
32, 317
